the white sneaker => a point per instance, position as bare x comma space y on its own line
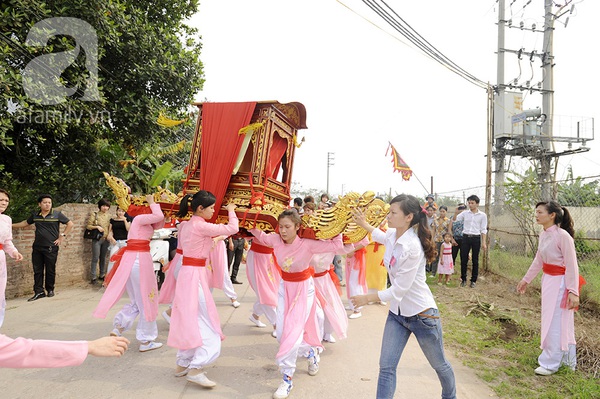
283, 391
313, 362
355, 315
257, 322
202, 380
150, 346
166, 316
348, 307
543, 371
235, 304
274, 334
383, 303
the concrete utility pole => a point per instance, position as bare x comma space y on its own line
547, 102
500, 142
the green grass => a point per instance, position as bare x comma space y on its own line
508, 367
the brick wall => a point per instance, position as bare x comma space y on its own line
74, 256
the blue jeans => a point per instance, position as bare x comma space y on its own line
428, 332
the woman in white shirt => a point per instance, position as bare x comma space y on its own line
408, 244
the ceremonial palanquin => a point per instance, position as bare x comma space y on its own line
243, 153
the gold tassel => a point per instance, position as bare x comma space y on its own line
251, 128
167, 122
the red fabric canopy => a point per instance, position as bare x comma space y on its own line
221, 143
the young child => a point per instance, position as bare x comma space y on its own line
446, 266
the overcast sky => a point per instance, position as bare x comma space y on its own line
363, 88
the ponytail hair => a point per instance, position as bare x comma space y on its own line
410, 205
562, 216
201, 198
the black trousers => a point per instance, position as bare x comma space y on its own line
235, 255
456, 249
44, 260
468, 244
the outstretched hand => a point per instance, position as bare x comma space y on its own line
230, 207
108, 346
522, 287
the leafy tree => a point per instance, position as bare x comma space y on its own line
521, 196
577, 193
148, 62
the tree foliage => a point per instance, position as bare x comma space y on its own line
148, 63
522, 193
575, 192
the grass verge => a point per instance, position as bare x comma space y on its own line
496, 332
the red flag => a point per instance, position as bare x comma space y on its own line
399, 164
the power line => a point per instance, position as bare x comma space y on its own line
401, 26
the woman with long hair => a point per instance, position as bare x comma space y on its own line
296, 326
408, 246
195, 326
561, 282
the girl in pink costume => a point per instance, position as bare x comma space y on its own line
263, 276
195, 326
561, 282
6, 247
297, 331
356, 281
134, 271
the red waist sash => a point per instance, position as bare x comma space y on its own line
261, 249
299, 276
179, 251
196, 262
132, 245
1, 247
321, 274
556, 270
333, 276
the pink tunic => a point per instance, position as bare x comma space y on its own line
142, 228
327, 293
294, 258
27, 353
217, 264
358, 261
167, 291
266, 274
556, 247
8, 248
196, 242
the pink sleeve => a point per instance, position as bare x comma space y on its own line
266, 239
567, 247
534, 269
334, 245
27, 353
9, 247
214, 230
152, 218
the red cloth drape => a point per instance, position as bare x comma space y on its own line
278, 148
221, 144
